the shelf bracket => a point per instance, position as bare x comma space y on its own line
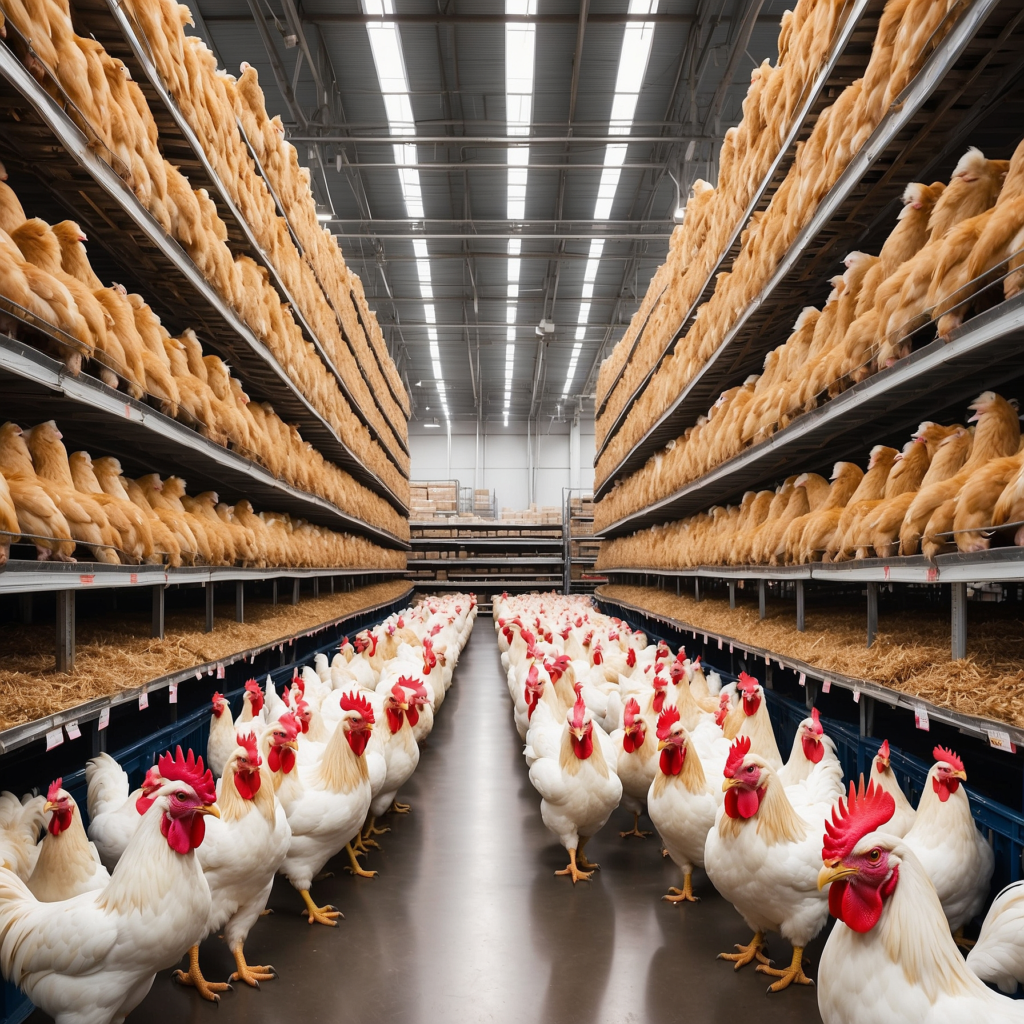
732, 593
801, 608
209, 605
296, 584
958, 593
157, 628
274, 598
239, 601
316, 586
25, 609
867, 715
65, 631
761, 610
697, 595
872, 612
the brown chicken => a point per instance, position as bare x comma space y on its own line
10, 531
870, 489
809, 536
165, 544
974, 508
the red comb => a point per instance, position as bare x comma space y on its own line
738, 751
255, 695
218, 697
579, 709
883, 750
51, 793
818, 728
746, 683
251, 752
189, 770
290, 724
630, 712
952, 759
666, 720
357, 702
864, 811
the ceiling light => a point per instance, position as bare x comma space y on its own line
418, 384
432, 423
324, 215
291, 40
678, 214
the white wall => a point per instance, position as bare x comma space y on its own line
504, 459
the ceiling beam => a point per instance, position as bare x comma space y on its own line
438, 18
469, 141
470, 236
466, 166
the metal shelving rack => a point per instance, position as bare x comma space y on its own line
579, 548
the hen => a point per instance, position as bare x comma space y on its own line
883, 777
114, 812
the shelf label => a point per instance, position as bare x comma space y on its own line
826, 685
885, 572
220, 671
719, 643
72, 729
199, 675
933, 575
705, 638
54, 738
172, 693
1001, 741
104, 719
767, 660
133, 577
143, 700
87, 578
730, 649
803, 679
921, 719
856, 696
127, 411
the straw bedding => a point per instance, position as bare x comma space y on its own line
112, 657
910, 653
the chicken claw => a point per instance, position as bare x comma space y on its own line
682, 895
581, 858
793, 973
321, 915
747, 953
635, 830
250, 973
397, 808
193, 977
572, 869
357, 868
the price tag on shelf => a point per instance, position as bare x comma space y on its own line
172, 693
719, 643
921, 719
1001, 741
220, 671
143, 700
767, 660
705, 638
730, 648
199, 675
856, 696
104, 719
803, 679
71, 728
826, 685
54, 738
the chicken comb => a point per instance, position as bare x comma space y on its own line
218, 697
630, 712
435, 629
579, 710
357, 702
189, 770
883, 750
951, 758
738, 751
666, 720
815, 718
631, 657
248, 740
747, 683
864, 811
556, 669
290, 724
54, 790
417, 690
255, 695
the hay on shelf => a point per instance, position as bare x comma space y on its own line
911, 652
109, 658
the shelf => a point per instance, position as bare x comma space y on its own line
21, 735
456, 524
34, 386
982, 354
493, 584
109, 24
983, 728
57, 162
961, 83
847, 59
457, 563
475, 542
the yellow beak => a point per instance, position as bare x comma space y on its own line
210, 809
728, 784
291, 744
662, 744
832, 874
961, 775
49, 806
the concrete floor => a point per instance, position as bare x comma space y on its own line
467, 923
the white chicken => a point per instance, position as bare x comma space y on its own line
21, 821
998, 955
636, 763
883, 777
114, 812
810, 746
222, 735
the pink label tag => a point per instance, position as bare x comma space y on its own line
134, 577
71, 728
104, 720
826, 686
143, 700
86, 579
730, 648
54, 738
933, 575
220, 671
885, 572
921, 719
803, 679
719, 643
172, 693
856, 696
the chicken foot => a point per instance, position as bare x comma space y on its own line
793, 973
193, 977
573, 870
321, 915
635, 830
251, 974
357, 868
581, 857
682, 895
397, 808
744, 955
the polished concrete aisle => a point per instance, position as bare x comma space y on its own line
467, 923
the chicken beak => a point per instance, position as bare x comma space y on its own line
961, 775
833, 873
50, 805
291, 744
728, 784
209, 809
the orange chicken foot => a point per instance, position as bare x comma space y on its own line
356, 868
321, 915
743, 956
250, 973
682, 895
793, 973
581, 857
397, 808
635, 830
194, 978
573, 870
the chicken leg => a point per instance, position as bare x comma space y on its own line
321, 915
793, 973
572, 869
356, 867
743, 956
250, 974
682, 895
397, 808
194, 978
364, 839
581, 857
635, 830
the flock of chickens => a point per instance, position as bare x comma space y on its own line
111, 109
951, 488
608, 718
45, 269
907, 32
949, 243
87, 919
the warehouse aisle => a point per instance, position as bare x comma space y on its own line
467, 923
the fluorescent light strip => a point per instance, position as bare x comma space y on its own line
386, 47
636, 50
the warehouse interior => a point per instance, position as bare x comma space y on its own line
678, 342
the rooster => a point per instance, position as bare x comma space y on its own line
810, 746
222, 735
890, 956
68, 863
763, 855
635, 765
114, 812
92, 959
578, 789
947, 843
883, 777
750, 718
240, 856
